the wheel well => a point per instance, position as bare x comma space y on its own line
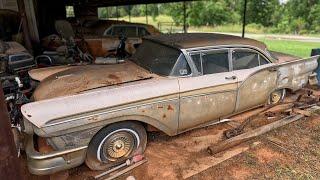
148, 127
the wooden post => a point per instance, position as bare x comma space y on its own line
244, 18
117, 10
9, 163
146, 13
184, 17
25, 29
129, 13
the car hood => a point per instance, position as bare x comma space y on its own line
87, 77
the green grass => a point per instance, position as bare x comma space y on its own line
230, 28
297, 48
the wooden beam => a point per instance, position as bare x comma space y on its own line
25, 29
146, 13
244, 18
251, 134
184, 17
32, 21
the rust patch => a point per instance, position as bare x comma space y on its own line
160, 107
170, 108
143, 111
164, 116
112, 76
93, 118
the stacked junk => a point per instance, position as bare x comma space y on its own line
69, 48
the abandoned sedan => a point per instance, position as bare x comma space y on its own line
99, 114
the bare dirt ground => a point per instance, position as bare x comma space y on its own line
290, 152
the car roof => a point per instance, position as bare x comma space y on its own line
195, 40
136, 25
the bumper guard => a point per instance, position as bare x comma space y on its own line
49, 163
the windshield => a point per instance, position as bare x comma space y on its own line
156, 58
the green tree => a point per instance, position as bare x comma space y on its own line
213, 12
262, 12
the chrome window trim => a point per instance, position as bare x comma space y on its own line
268, 57
194, 71
175, 66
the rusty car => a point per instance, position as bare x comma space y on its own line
100, 114
99, 38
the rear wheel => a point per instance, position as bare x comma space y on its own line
114, 144
277, 96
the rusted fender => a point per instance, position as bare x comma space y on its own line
295, 74
105, 103
42, 73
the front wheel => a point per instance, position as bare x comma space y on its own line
114, 144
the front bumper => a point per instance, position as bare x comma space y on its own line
49, 163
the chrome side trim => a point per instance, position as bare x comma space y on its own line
205, 94
106, 112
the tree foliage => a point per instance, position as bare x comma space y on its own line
294, 16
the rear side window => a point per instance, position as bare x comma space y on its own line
244, 59
181, 68
215, 61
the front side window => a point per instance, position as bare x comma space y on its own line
244, 59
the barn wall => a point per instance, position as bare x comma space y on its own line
9, 4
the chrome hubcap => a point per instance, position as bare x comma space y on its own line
118, 145
275, 97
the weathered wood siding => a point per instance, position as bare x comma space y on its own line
9, 4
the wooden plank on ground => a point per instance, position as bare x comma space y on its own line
216, 148
202, 164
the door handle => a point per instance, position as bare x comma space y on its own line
231, 77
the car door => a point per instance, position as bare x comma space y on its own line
255, 79
212, 94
